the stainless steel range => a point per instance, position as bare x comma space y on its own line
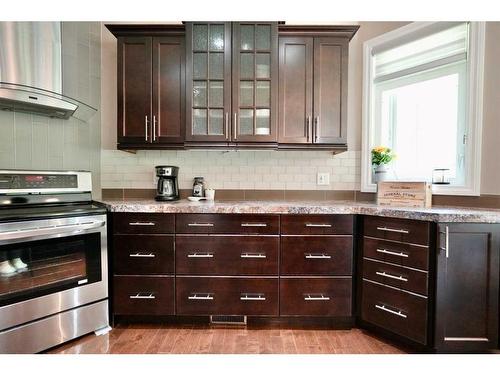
53, 260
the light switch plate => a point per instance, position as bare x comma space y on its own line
323, 179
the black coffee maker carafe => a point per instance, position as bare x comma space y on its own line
168, 188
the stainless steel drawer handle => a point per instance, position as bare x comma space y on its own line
389, 276
253, 255
384, 251
391, 311
311, 225
200, 225
201, 296
143, 296
316, 297
142, 255
200, 255
144, 224
252, 297
317, 256
253, 224
385, 229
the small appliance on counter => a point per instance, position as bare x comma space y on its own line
198, 187
168, 186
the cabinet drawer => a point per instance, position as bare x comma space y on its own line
403, 230
227, 255
394, 310
398, 253
326, 296
317, 224
143, 254
399, 277
143, 295
316, 255
227, 223
143, 223
227, 296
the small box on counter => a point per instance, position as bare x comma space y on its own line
404, 194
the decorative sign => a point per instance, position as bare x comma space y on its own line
404, 194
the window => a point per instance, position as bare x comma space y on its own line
422, 98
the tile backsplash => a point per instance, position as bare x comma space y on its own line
259, 170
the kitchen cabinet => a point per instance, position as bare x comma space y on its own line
232, 83
151, 86
313, 66
467, 287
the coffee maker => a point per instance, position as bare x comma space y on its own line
168, 188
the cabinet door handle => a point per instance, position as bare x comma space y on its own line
253, 224
385, 229
311, 225
143, 224
200, 255
308, 127
201, 296
317, 256
316, 126
391, 311
200, 225
227, 125
146, 127
141, 255
384, 251
143, 296
252, 297
235, 126
316, 297
253, 255
447, 241
154, 128
389, 276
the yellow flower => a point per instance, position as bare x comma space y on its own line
380, 149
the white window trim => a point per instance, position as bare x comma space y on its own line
474, 115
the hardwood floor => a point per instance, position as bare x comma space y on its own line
188, 339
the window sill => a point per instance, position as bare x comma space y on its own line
436, 190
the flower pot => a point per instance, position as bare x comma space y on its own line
381, 173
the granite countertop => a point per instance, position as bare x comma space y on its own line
444, 214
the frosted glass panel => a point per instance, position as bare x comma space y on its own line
246, 121
246, 36
262, 126
200, 37
199, 94
247, 65
216, 122
216, 97
263, 69
199, 121
246, 93
263, 37
216, 66
216, 37
263, 94
199, 65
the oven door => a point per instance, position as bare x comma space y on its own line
49, 266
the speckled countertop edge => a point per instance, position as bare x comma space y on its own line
443, 214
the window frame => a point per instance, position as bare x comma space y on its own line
474, 110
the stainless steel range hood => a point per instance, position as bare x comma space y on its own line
31, 71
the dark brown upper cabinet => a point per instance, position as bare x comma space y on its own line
313, 64
467, 287
232, 76
151, 86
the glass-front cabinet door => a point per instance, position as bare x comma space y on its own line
208, 71
255, 80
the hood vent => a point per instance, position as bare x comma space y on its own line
31, 71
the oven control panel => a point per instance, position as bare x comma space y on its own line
16, 181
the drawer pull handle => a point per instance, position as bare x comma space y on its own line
317, 256
310, 225
253, 224
140, 255
391, 311
200, 255
389, 276
143, 296
252, 297
200, 225
201, 296
143, 224
316, 297
384, 251
253, 255
385, 229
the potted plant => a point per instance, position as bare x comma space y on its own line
381, 157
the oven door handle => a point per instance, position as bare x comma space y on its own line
45, 231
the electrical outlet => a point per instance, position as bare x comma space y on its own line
323, 179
